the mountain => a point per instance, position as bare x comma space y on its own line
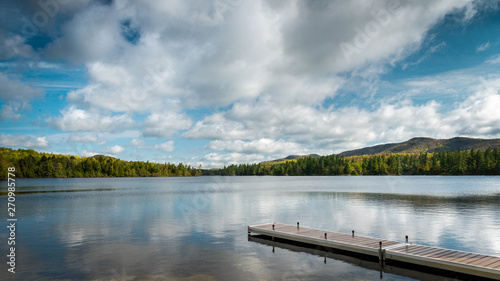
290, 157
417, 145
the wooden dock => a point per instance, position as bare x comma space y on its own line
444, 259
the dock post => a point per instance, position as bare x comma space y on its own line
381, 254
353, 233
273, 236
406, 239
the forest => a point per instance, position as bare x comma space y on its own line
32, 164
471, 162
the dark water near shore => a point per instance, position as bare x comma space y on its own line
195, 228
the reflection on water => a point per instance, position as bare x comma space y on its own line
195, 228
370, 263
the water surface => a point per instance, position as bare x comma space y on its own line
195, 228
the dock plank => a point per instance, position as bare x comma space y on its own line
447, 259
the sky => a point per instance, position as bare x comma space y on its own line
222, 82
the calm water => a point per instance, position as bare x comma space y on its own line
195, 228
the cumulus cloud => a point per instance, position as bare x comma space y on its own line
266, 146
165, 125
16, 96
87, 138
76, 119
13, 46
202, 56
39, 142
217, 126
86, 153
10, 112
263, 77
165, 147
115, 149
140, 144
383, 31
337, 129
221, 159
478, 115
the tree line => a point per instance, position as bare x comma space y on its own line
472, 162
32, 164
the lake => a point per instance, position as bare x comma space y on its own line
196, 228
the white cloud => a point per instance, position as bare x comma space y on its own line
87, 138
16, 96
164, 125
14, 90
216, 126
39, 142
483, 47
14, 46
10, 112
380, 32
219, 160
478, 115
266, 146
271, 72
289, 52
494, 60
140, 144
75, 119
261, 127
115, 149
86, 153
165, 147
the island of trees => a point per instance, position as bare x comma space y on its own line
469, 162
32, 164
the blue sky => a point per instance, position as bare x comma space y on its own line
223, 82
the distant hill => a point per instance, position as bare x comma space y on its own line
290, 158
417, 145
98, 156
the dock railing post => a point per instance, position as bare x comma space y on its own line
272, 237
353, 233
325, 235
381, 255
297, 225
406, 239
